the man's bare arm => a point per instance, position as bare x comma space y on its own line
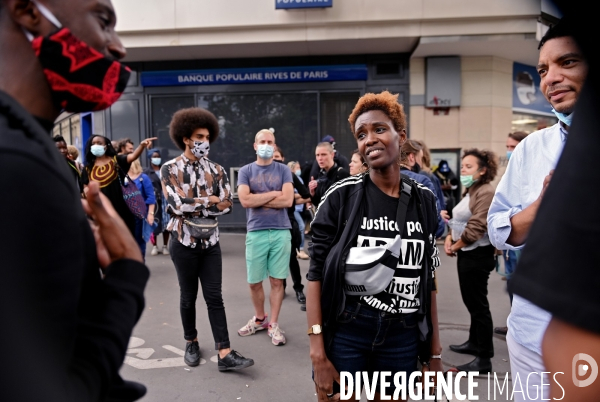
249, 200
521, 223
285, 200
299, 200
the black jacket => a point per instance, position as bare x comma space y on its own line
333, 175
65, 329
335, 228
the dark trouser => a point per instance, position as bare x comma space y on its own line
192, 264
139, 236
474, 269
295, 272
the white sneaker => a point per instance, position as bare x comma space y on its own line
165, 250
154, 250
302, 255
276, 334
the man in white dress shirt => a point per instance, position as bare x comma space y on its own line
563, 70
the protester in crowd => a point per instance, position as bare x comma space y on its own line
125, 146
563, 70
103, 165
357, 163
510, 257
301, 196
143, 227
160, 217
512, 141
558, 268
344, 329
469, 242
338, 158
449, 183
329, 174
61, 145
73, 154
65, 327
408, 161
197, 191
423, 165
299, 208
265, 189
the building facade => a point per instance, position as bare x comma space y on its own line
463, 70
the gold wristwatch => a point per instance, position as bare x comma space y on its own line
315, 330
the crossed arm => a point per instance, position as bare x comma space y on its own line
272, 199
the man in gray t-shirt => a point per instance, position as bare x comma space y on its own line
265, 189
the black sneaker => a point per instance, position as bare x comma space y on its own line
192, 354
234, 361
300, 297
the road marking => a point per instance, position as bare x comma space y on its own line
174, 350
142, 360
143, 353
135, 342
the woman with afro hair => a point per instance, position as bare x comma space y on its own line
371, 303
196, 187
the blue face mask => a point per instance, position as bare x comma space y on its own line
298, 172
508, 154
155, 161
265, 151
565, 118
98, 150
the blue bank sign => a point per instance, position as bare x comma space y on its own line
286, 4
270, 75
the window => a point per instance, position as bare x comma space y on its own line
531, 122
335, 110
163, 109
241, 116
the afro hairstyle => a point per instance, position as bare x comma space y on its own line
384, 101
186, 121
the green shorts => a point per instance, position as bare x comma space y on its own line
268, 254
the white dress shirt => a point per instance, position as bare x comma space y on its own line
521, 185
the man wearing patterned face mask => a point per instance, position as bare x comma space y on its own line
266, 191
196, 187
68, 327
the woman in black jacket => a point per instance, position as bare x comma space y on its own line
369, 212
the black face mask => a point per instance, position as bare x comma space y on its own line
416, 168
81, 78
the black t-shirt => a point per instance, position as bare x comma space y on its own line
378, 227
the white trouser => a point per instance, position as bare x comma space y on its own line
526, 368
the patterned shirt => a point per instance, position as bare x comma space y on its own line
187, 186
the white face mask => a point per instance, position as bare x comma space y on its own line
200, 149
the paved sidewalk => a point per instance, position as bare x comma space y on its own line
280, 373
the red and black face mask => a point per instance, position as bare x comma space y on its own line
81, 78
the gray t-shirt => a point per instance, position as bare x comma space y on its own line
262, 179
